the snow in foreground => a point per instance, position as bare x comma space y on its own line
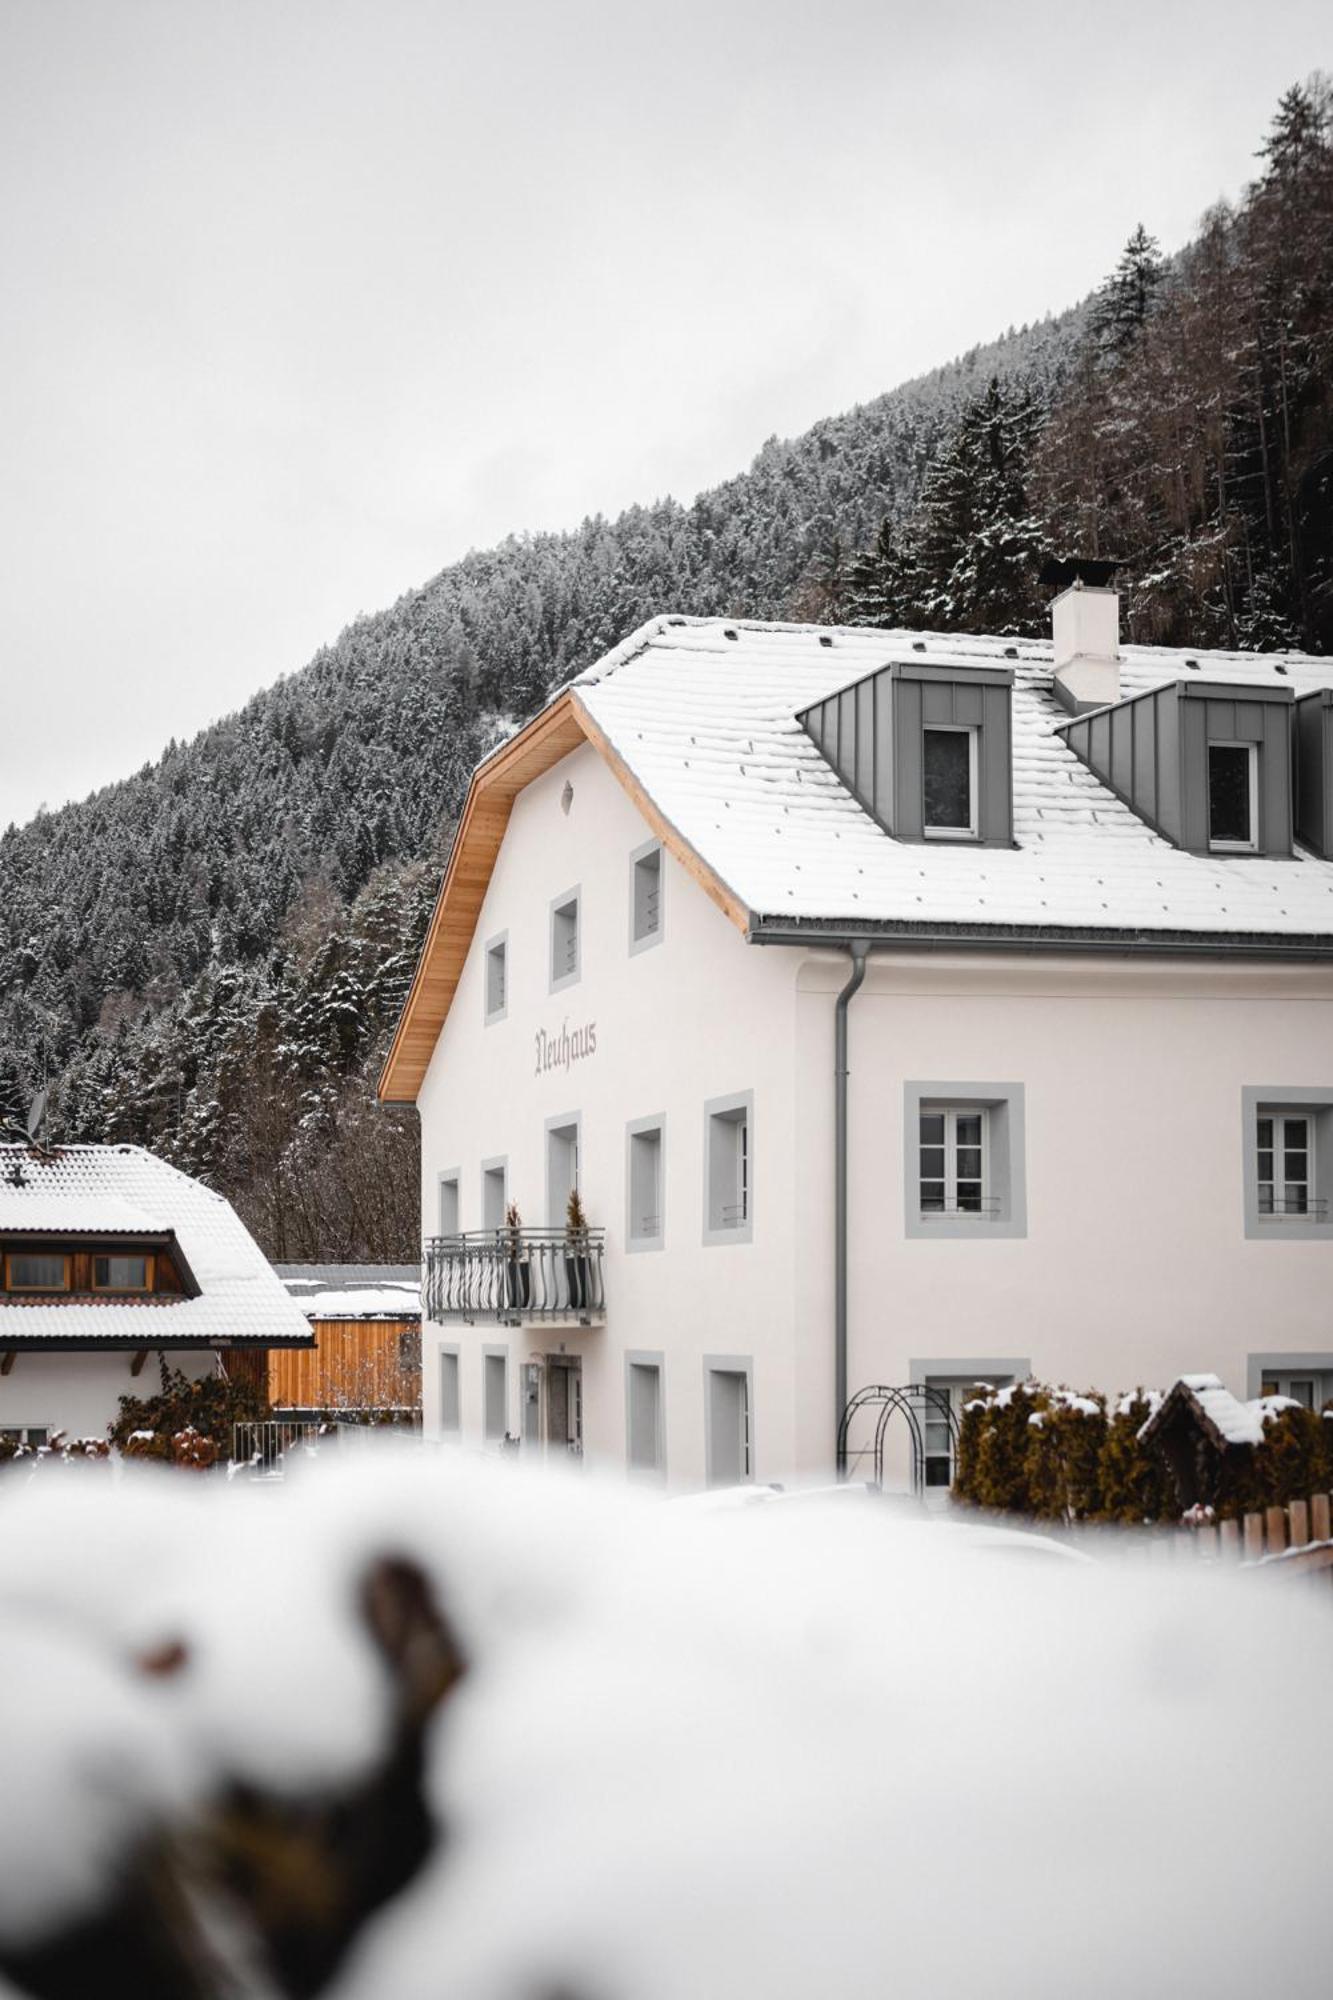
773, 1751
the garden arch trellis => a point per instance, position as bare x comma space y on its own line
914, 1401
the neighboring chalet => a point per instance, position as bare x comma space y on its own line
907, 1009
366, 1319
110, 1258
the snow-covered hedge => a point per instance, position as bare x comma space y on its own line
1056, 1455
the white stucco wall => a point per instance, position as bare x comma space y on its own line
78, 1392
1135, 1265
695, 1017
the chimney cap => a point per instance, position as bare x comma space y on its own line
1061, 571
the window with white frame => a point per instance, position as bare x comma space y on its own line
451, 1407
1311, 1387
565, 941
949, 781
729, 1166
1285, 1165
1233, 798
645, 897
497, 987
32, 1435
952, 1177
494, 1194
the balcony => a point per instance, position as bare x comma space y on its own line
515, 1277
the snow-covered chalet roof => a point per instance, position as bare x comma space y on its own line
91, 1191
706, 723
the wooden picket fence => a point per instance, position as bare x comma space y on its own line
1295, 1538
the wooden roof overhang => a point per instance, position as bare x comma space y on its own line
562, 726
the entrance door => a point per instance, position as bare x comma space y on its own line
564, 1404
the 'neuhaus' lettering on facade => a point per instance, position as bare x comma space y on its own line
568, 1047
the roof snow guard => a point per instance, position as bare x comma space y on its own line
96, 1192
705, 733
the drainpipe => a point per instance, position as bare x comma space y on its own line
859, 951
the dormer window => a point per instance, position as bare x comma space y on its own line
1233, 798
949, 783
132, 1273
925, 748
36, 1271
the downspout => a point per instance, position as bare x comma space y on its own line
859, 950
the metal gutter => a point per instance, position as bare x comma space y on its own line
860, 952
838, 935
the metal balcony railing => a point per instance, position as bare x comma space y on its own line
513, 1276
1307, 1207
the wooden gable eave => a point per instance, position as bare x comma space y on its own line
565, 725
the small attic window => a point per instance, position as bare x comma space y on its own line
497, 978
949, 782
1233, 795
36, 1271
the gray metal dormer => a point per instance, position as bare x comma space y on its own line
1208, 764
1314, 771
927, 750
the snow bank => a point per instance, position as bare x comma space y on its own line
762, 1750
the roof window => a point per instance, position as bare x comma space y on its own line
1208, 764
925, 749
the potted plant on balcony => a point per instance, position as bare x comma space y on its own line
518, 1267
578, 1263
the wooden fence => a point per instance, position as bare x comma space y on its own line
1297, 1537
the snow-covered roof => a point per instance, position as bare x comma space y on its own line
703, 713
1235, 1422
354, 1291
124, 1190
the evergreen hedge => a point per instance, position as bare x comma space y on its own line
1054, 1455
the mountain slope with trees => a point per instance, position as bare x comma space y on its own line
208, 957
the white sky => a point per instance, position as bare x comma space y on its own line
304, 298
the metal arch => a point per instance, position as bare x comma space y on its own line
913, 1401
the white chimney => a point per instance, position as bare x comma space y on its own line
1085, 624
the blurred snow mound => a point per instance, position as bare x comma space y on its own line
770, 1750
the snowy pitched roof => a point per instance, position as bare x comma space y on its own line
82, 1191
1224, 1417
699, 718
354, 1291
703, 713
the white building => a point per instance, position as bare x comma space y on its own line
110, 1258
1071, 905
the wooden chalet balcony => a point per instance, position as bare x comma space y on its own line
514, 1276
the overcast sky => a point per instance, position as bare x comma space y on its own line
304, 298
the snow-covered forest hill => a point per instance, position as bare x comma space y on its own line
208, 958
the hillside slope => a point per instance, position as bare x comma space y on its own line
206, 957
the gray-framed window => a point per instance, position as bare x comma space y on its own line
494, 1192
563, 1147
1306, 1378
1287, 1140
448, 1215
728, 1419
566, 942
645, 896
949, 781
497, 978
33, 1435
964, 1160
495, 1393
645, 1184
1233, 798
451, 1401
645, 1412
954, 1378
729, 1168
